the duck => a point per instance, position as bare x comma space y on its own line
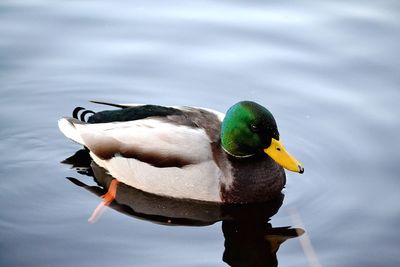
187, 152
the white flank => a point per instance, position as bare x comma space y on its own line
149, 135
200, 180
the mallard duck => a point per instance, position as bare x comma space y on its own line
187, 152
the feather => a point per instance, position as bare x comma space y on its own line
197, 181
67, 127
142, 139
110, 104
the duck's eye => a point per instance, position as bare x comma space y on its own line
254, 128
278, 148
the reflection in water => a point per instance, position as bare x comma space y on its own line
254, 243
249, 239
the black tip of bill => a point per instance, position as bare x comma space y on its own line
301, 169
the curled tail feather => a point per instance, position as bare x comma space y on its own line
81, 116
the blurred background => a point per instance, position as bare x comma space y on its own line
329, 72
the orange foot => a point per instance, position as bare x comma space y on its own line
108, 198
111, 193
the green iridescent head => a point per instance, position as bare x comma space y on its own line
248, 128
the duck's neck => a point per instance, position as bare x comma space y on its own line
235, 153
255, 179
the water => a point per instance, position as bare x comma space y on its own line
328, 71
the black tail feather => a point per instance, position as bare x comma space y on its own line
76, 111
109, 104
83, 114
81, 117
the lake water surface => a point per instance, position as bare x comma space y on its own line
328, 70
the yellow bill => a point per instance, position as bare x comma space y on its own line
278, 153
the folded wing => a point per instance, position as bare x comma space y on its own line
155, 141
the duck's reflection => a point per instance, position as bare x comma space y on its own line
249, 239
